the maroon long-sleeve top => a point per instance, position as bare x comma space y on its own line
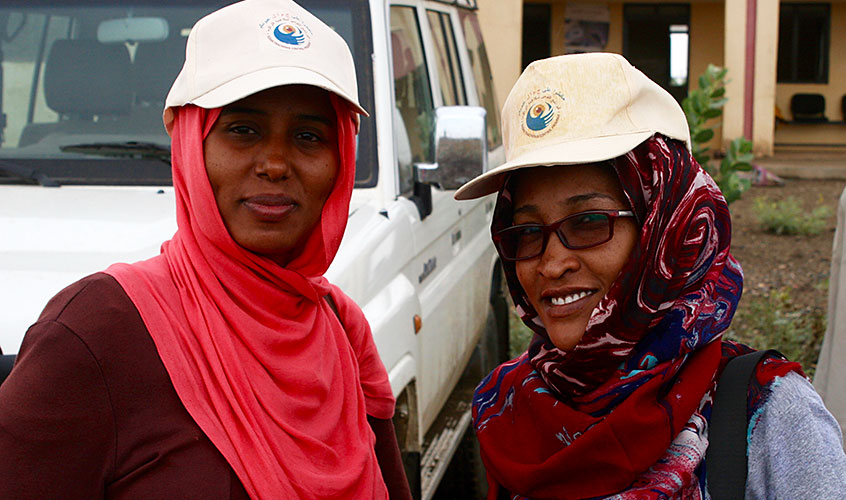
89, 412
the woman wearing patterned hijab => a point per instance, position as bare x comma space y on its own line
615, 245
227, 366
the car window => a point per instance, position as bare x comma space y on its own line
81, 100
481, 73
21, 103
414, 113
446, 53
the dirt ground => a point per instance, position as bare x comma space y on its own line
772, 261
797, 267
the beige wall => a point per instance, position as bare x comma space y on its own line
718, 36
615, 34
764, 90
706, 47
559, 12
769, 94
734, 42
706, 31
706, 38
501, 22
558, 16
816, 134
766, 54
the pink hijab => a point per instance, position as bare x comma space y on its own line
253, 349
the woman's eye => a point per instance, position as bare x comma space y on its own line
590, 218
526, 233
587, 222
242, 130
308, 136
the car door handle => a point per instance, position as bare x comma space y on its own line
456, 236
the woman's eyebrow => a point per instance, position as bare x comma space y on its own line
586, 197
231, 110
531, 209
317, 118
573, 200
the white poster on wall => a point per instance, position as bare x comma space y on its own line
585, 27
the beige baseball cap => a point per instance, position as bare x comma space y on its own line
254, 45
579, 108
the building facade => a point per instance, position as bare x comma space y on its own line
773, 51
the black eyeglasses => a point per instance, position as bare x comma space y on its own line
576, 232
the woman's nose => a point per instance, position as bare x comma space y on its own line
274, 163
557, 259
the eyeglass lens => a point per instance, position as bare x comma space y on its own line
576, 231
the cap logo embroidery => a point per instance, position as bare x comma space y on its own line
540, 112
287, 31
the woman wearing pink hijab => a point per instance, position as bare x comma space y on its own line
227, 366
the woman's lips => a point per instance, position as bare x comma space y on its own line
559, 304
268, 207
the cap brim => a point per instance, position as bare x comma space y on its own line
257, 81
575, 152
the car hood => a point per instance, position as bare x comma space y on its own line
53, 237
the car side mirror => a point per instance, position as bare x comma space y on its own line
461, 148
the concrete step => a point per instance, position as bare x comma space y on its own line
807, 162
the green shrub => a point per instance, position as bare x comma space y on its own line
738, 158
701, 106
773, 321
787, 217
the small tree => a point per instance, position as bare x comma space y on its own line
701, 106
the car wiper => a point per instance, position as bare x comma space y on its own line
128, 148
28, 173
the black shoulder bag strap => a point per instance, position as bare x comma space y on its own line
725, 458
6, 363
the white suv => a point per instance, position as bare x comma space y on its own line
85, 182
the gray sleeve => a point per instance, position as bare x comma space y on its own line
795, 447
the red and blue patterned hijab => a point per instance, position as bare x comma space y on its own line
625, 413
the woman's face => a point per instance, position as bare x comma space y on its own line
563, 285
272, 160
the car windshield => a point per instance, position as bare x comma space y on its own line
84, 84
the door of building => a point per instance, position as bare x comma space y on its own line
537, 40
655, 40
